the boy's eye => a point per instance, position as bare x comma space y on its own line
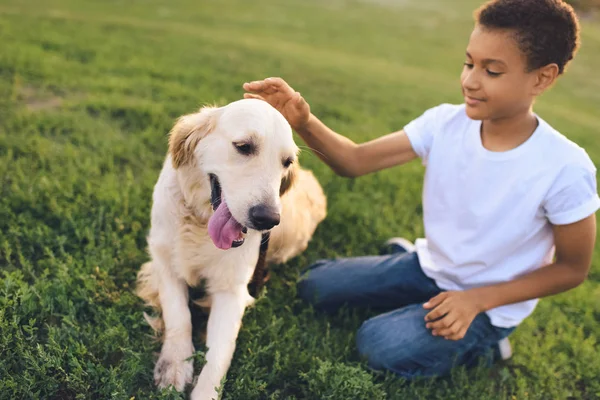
493, 74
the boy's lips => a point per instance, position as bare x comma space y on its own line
473, 101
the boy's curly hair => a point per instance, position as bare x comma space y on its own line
547, 31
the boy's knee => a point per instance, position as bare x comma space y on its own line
306, 289
372, 344
387, 349
308, 286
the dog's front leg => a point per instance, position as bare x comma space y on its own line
223, 326
172, 367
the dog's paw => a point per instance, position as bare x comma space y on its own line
174, 366
204, 390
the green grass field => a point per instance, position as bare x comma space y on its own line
88, 92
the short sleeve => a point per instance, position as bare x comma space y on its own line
421, 131
573, 195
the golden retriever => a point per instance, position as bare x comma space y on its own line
230, 179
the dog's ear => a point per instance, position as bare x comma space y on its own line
188, 131
288, 180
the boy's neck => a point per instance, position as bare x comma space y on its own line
505, 134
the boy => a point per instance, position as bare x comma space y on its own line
504, 192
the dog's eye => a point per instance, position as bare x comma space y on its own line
244, 148
287, 162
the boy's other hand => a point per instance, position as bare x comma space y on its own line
282, 97
452, 314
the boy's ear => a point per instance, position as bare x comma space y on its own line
187, 132
545, 77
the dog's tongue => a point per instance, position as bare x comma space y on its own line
223, 229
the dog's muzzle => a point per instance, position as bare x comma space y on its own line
215, 191
215, 201
263, 218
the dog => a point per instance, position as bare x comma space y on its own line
230, 182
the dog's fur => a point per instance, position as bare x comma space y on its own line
183, 254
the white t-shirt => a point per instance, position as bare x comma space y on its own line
487, 214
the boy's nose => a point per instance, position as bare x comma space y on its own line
470, 81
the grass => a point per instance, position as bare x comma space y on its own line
88, 91
584, 5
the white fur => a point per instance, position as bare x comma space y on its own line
182, 252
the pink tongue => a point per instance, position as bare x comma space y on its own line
223, 228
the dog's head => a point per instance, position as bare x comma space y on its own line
247, 152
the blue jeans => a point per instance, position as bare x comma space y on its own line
397, 340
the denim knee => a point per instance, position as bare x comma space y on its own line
398, 341
403, 352
372, 345
307, 287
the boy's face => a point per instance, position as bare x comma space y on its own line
494, 80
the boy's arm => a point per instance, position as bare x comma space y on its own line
344, 156
574, 247
349, 159
454, 311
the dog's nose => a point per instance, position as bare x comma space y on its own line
263, 217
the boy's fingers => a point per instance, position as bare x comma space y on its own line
434, 301
442, 323
451, 330
437, 313
270, 86
276, 81
279, 84
255, 86
270, 89
253, 96
298, 99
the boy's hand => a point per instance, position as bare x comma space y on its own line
452, 314
280, 95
